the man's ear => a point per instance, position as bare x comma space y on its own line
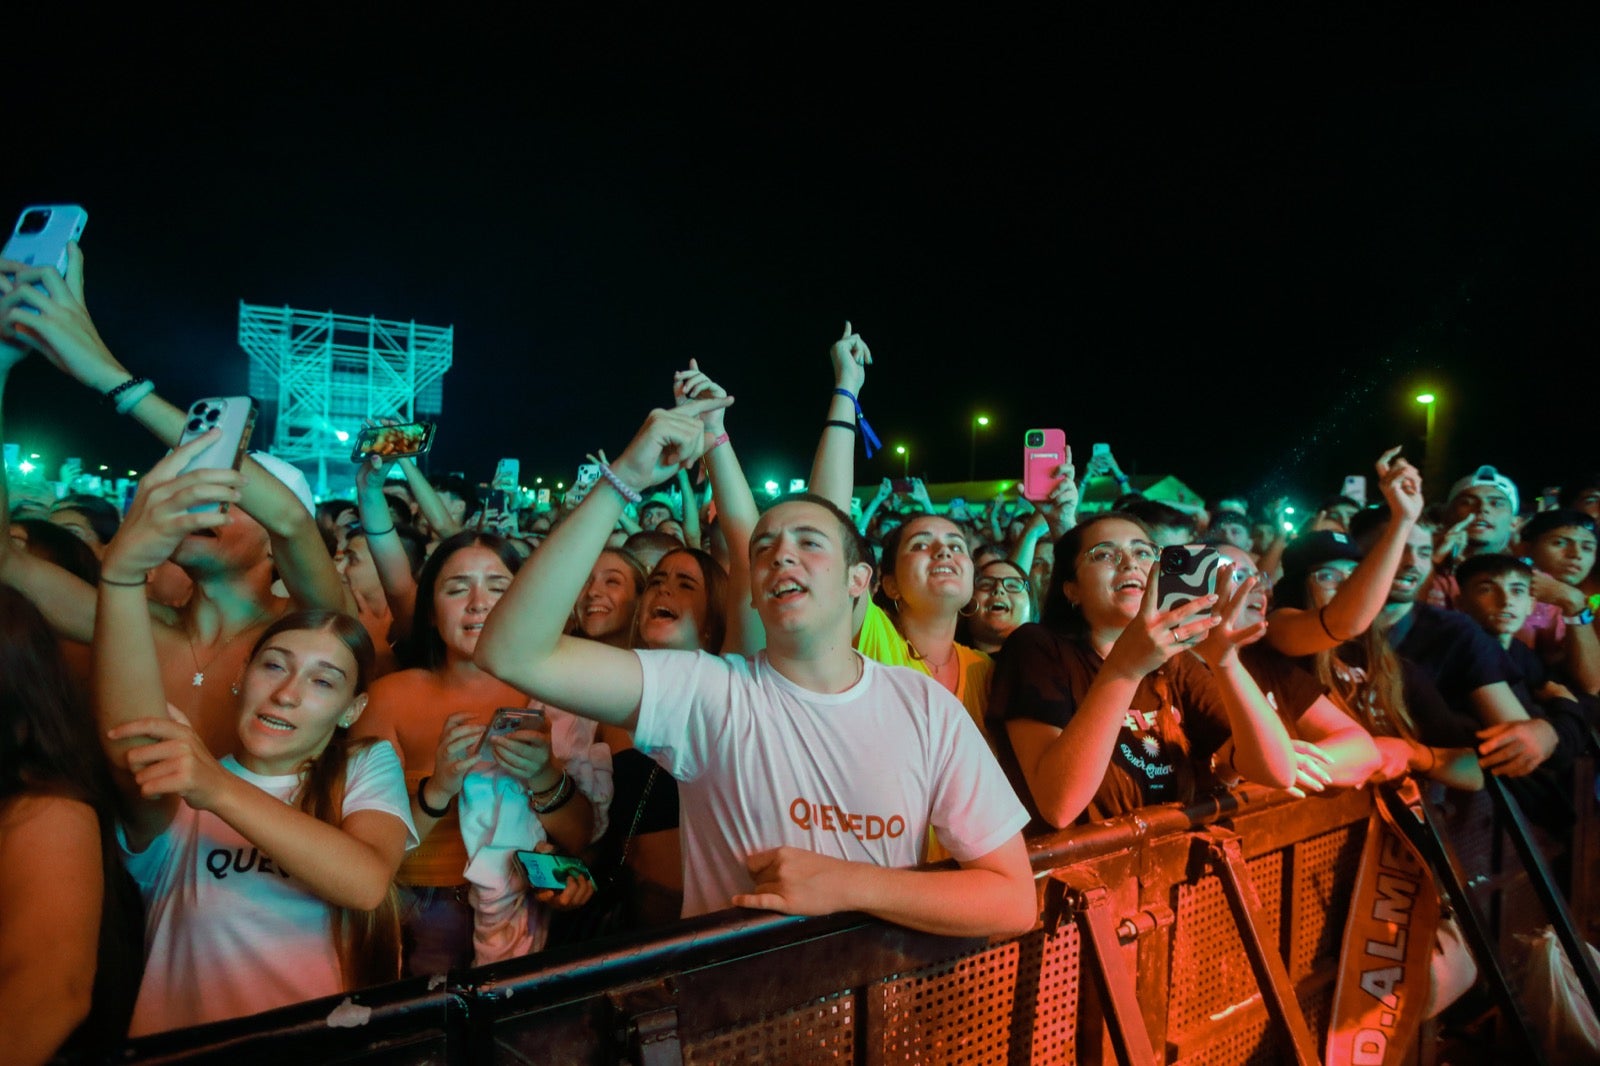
353, 712
860, 580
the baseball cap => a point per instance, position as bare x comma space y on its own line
288, 474
1304, 555
1488, 475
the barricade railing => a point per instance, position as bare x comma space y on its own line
1208, 934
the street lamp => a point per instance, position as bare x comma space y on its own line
972, 452
1430, 458
905, 460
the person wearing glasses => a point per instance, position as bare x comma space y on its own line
1100, 709
1002, 600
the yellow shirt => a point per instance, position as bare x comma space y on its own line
881, 642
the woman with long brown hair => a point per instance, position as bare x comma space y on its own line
267, 875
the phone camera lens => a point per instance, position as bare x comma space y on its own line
198, 409
213, 414
1036, 440
194, 425
33, 222
1172, 563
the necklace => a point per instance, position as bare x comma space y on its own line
915, 654
200, 671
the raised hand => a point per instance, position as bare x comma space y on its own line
667, 442
455, 754
1154, 636
1225, 640
693, 384
885, 490
55, 321
1401, 485
851, 357
1060, 508
160, 517
524, 753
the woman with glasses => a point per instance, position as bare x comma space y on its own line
1100, 709
1002, 600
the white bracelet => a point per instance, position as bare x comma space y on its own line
130, 399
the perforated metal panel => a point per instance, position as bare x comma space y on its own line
1322, 887
817, 1032
1211, 975
975, 1010
1048, 981
1256, 1044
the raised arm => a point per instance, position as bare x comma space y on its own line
126, 674
1064, 767
522, 643
56, 323
429, 505
1356, 605
383, 540
691, 508
736, 509
833, 470
1262, 750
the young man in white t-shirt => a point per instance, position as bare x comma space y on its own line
809, 775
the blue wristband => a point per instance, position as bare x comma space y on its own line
869, 439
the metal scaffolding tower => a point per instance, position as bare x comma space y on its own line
317, 375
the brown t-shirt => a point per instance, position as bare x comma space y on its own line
1288, 687
1044, 676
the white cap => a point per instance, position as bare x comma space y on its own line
290, 476
1488, 475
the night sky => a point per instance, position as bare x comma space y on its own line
1233, 244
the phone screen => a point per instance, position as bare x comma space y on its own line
404, 441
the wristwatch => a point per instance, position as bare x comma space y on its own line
1583, 617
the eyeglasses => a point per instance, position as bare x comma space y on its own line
1240, 575
1142, 552
1014, 585
1329, 577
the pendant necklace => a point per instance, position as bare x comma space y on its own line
200, 671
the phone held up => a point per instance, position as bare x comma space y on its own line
235, 416
1042, 451
1186, 572
405, 441
1355, 488
41, 235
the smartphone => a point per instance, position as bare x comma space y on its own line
393, 442
236, 417
508, 720
1186, 572
1042, 451
41, 235
583, 484
1355, 488
507, 475
542, 499
901, 484
550, 871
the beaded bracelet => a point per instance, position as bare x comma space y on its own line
868, 438
565, 790
625, 490
110, 395
130, 399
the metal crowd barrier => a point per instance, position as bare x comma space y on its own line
1209, 934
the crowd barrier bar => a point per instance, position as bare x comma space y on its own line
1207, 934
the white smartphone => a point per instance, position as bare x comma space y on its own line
1355, 488
41, 235
236, 417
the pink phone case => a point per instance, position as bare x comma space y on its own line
46, 245
1042, 451
236, 417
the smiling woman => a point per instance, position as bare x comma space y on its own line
435, 714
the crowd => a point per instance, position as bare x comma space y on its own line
252, 752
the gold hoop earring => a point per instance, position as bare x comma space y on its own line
969, 610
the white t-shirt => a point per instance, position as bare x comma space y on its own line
857, 775
228, 933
